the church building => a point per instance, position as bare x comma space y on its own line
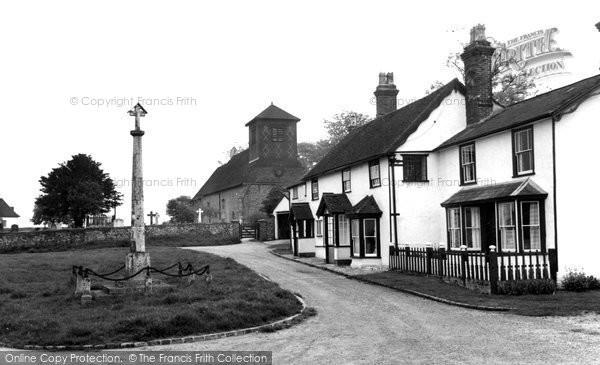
236, 190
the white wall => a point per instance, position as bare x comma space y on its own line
494, 165
577, 147
419, 203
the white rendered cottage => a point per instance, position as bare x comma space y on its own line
342, 211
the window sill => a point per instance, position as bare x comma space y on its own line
375, 187
415, 181
366, 257
469, 183
524, 174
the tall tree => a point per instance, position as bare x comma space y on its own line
337, 128
272, 199
510, 84
181, 210
74, 190
341, 124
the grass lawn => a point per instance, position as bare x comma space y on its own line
562, 303
37, 306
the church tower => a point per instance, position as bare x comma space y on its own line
273, 138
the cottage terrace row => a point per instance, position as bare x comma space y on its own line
471, 175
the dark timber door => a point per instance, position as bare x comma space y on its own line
283, 226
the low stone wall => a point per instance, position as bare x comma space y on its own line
48, 239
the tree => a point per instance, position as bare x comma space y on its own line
230, 153
181, 210
337, 128
74, 190
341, 124
272, 199
510, 84
309, 153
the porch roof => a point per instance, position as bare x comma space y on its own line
367, 206
334, 204
301, 211
518, 188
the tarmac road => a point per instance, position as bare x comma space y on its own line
358, 323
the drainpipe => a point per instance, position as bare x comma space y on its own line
554, 120
394, 214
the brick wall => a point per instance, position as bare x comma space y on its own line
266, 229
78, 237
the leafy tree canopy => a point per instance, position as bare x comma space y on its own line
181, 210
272, 199
74, 190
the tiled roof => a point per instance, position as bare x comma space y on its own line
6, 211
383, 135
334, 204
273, 112
367, 206
301, 211
530, 110
238, 171
517, 188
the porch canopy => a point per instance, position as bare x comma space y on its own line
301, 211
494, 192
366, 208
333, 204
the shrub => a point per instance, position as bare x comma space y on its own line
522, 287
578, 282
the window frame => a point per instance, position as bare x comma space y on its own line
522, 226
423, 167
375, 237
462, 164
450, 229
515, 226
277, 134
515, 157
374, 163
319, 228
467, 228
348, 188
314, 189
295, 192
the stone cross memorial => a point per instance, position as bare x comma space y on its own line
137, 258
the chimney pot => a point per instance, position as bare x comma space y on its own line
478, 33
385, 94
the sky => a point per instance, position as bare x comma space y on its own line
70, 71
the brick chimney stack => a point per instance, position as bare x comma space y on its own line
477, 58
385, 94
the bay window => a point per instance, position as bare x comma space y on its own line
507, 226
355, 228
530, 226
454, 230
472, 228
370, 235
344, 230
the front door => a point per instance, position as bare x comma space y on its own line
488, 226
283, 226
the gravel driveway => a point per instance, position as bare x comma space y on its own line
359, 323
